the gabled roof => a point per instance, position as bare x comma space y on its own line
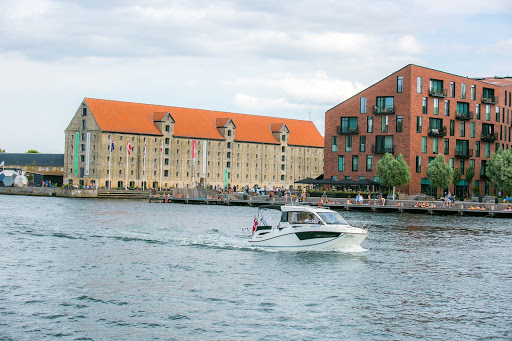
277, 127
137, 118
223, 122
32, 159
160, 116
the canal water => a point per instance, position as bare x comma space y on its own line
92, 269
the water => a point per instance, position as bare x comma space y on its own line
78, 269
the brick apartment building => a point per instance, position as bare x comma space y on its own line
420, 112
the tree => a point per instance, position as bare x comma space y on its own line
32, 151
470, 174
393, 172
439, 173
499, 170
457, 176
2, 150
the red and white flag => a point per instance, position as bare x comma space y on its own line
254, 226
129, 148
162, 146
194, 150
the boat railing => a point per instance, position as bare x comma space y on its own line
365, 225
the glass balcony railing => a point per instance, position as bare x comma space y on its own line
437, 131
383, 110
490, 99
378, 149
463, 153
347, 130
464, 115
437, 92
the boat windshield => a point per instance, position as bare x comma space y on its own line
332, 218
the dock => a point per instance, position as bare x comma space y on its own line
398, 206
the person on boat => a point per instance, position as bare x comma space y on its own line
417, 204
509, 208
349, 202
309, 219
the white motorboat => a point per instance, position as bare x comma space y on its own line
305, 228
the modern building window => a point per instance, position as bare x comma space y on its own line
446, 146
452, 128
435, 146
463, 90
419, 85
400, 84
451, 163
487, 149
362, 144
418, 164
452, 89
436, 106
419, 122
363, 105
385, 105
487, 112
424, 144
477, 148
383, 144
436, 88
384, 124
348, 125
462, 148
477, 112
334, 143
399, 124
446, 107
462, 129
461, 166
424, 105
497, 114
355, 163
341, 163
472, 132
348, 143
473, 92
369, 124
369, 163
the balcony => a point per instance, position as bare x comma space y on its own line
461, 115
377, 149
384, 110
490, 99
438, 92
347, 130
437, 131
489, 136
464, 153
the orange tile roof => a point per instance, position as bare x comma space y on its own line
137, 118
276, 127
221, 122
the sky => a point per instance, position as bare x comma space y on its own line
293, 59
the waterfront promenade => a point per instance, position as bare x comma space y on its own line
211, 197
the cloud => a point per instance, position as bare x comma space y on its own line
409, 44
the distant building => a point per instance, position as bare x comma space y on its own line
420, 113
183, 147
43, 166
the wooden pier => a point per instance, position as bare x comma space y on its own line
460, 208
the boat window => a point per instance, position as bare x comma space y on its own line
332, 218
300, 218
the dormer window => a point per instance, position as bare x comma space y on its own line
167, 128
229, 132
283, 138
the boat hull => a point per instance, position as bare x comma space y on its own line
291, 242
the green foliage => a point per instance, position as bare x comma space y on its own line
499, 170
393, 172
457, 176
32, 151
439, 173
2, 150
470, 174
476, 191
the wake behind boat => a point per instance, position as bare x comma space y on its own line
305, 228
